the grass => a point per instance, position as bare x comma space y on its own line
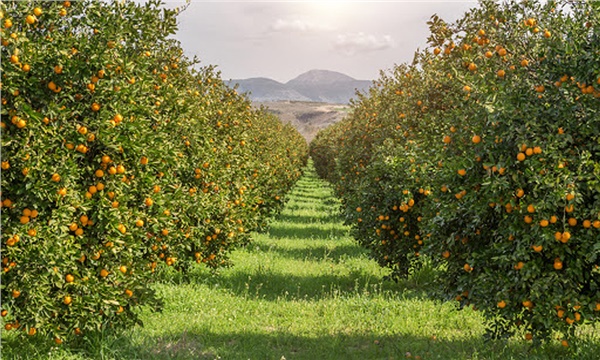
304, 290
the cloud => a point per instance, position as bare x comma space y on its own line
281, 25
350, 44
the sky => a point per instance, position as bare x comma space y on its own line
280, 40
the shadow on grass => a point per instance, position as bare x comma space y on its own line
319, 253
266, 285
276, 342
307, 219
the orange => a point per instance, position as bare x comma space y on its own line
67, 300
461, 172
572, 221
103, 273
447, 139
139, 223
501, 304
565, 237
520, 156
69, 278
537, 248
544, 223
528, 219
530, 208
467, 268
123, 269
446, 254
476, 139
558, 265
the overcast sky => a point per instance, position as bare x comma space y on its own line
281, 40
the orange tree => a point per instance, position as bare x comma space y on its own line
118, 157
503, 150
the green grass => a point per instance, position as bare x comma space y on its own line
304, 290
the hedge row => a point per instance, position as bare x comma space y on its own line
483, 155
119, 156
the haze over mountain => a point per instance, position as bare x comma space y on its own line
315, 85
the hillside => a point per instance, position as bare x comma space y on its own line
315, 85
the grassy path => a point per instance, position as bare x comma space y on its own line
305, 290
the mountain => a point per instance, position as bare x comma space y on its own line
314, 85
264, 90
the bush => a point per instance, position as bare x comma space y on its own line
119, 155
487, 147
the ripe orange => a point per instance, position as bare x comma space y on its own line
501, 304
69, 278
520, 156
67, 300
461, 172
537, 248
103, 273
447, 139
558, 265
123, 269
476, 139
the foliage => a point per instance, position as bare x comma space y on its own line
120, 155
484, 155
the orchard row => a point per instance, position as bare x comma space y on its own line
483, 156
121, 156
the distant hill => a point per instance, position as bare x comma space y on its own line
315, 85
